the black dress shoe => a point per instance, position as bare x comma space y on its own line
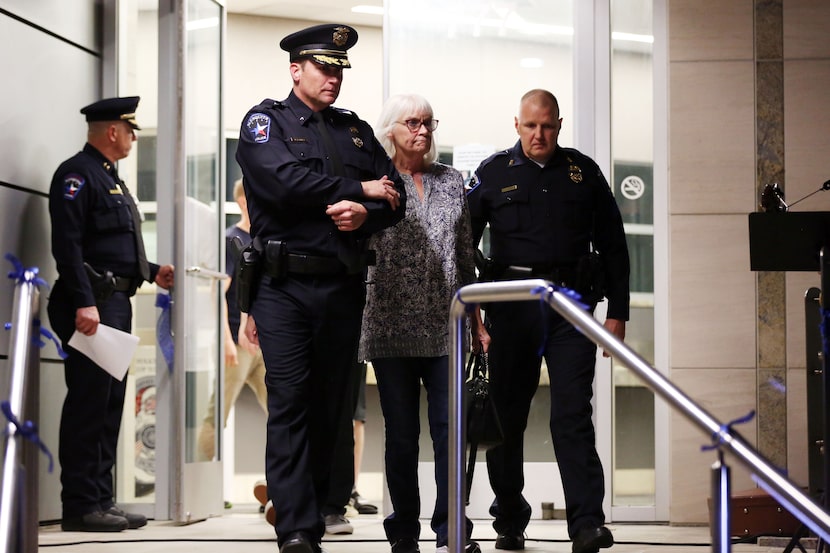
299, 543
510, 542
96, 521
590, 540
361, 506
134, 520
406, 545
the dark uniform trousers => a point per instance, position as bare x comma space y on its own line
92, 410
308, 330
517, 330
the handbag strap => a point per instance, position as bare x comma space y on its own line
484, 365
471, 467
477, 367
472, 361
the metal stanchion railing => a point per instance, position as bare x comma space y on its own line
18, 529
764, 473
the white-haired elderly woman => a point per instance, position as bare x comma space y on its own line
421, 262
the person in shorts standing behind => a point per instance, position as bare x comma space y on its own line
243, 360
357, 502
318, 186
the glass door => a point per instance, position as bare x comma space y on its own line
191, 160
638, 479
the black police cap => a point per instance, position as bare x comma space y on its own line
113, 109
325, 44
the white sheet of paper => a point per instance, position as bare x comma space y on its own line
110, 348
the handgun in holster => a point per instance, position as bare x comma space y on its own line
486, 267
248, 273
276, 259
103, 284
589, 278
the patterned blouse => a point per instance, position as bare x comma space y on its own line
421, 262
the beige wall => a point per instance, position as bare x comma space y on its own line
712, 161
256, 68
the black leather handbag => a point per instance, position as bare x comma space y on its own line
483, 425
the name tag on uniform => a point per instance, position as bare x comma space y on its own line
510, 188
297, 139
116, 191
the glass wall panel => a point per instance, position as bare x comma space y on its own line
138, 70
202, 242
632, 176
473, 60
203, 149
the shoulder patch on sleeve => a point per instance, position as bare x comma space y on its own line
474, 182
72, 184
259, 127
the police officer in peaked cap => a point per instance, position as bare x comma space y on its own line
113, 109
99, 253
318, 185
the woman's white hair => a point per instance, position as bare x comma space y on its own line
396, 107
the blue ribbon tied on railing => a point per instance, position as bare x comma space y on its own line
49, 336
717, 438
164, 334
27, 430
21, 275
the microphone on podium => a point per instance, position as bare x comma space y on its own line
772, 197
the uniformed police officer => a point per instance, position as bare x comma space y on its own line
99, 252
547, 206
318, 184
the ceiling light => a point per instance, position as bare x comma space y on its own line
531, 63
631, 37
372, 10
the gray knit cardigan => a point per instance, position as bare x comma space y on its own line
421, 262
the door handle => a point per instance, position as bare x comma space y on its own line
209, 274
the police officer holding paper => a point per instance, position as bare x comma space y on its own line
99, 252
318, 185
550, 212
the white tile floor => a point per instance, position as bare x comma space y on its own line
243, 529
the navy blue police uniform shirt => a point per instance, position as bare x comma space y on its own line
91, 221
549, 216
289, 181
